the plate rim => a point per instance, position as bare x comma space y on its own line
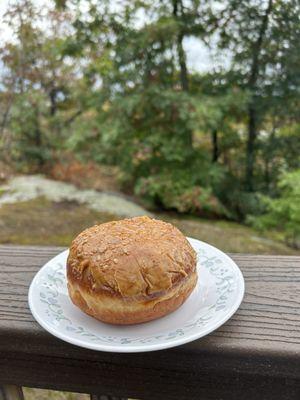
178, 341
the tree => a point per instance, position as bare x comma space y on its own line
261, 37
140, 55
38, 85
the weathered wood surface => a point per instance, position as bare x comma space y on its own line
255, 355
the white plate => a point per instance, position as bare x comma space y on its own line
215, 299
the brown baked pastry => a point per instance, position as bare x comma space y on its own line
130, 271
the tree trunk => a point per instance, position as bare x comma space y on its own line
250, 158
252, 109
215, 145
38, 140
52, 95
268, 159
184, 80
38, 143
267, 174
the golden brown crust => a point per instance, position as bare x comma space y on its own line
133, 261
119, 312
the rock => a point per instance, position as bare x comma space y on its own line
24, 188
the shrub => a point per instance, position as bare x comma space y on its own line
175, 190
283, 213
230, 191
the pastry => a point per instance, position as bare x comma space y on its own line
130, 271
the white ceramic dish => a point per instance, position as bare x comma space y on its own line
215, 299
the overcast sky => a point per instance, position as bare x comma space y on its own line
197, 55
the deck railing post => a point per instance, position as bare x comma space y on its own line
11, 392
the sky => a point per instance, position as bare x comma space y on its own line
198, 56
4, 34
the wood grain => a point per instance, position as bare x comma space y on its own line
254, 355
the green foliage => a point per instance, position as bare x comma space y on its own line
152, 129
39, 104
283, 213
229, 189
151, 138
175, 190
29, 141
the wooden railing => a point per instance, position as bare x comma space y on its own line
254, 356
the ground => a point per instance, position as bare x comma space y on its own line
43, 222
36, 210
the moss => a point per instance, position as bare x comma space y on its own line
229, 236
42, 222
41, 394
